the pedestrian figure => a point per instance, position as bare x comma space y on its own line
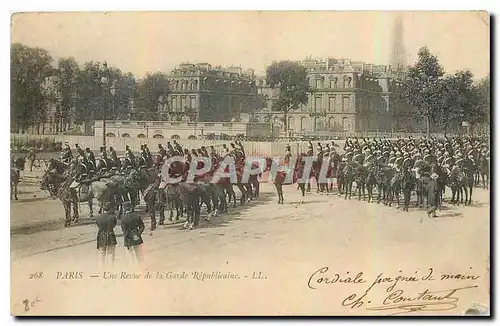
433, 195
32, 158
132, 227
106, 238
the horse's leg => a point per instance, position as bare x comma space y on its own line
152, 212
67, 212
282, 199
91, 210
470, 194
398, 193
160, 206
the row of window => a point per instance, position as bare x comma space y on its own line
180, 102
319, 124
334, 82
318, 104
183, 85
156, 136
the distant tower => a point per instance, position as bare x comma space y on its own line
398, 52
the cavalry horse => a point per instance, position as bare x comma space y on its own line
280, 178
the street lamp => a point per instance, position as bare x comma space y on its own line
104, 83
112, 90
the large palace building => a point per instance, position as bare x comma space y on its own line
200, 92
347, 96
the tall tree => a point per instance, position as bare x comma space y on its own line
68, 75
29, 69
482, 113
151, 93
422, 86
291, 79
125, 87
89, 93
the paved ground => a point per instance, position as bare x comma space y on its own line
284, 244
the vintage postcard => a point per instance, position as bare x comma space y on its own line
250, 163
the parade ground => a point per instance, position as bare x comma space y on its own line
273, 250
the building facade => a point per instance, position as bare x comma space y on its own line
347, 96
200, 92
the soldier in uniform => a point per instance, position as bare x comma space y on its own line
161, 151
213, 153
147, 153
225, 150
129, 155
240, 147
288, 155
103, 164
80, 173
187, 155
319, 154
106, 238
90, 157
194, 153
170, 149
114, 158
144, 160
178, 148
132, 227
66, 154
310, 151
79, 150
204, 151
433, 195
31, 158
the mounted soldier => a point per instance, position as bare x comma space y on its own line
213, 153
178, 148
148, 155
114, 158
204, 151
66, 154
225, 150
144, 158
103, 165
162, 151
80, 174
129, 153
90, 157
310, 151
170, 148
79, 151
240, 147
187, 156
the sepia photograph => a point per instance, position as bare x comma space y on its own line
250, 163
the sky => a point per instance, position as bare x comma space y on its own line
141, 42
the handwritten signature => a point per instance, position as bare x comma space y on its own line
396, 301
29, 304
425, 301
